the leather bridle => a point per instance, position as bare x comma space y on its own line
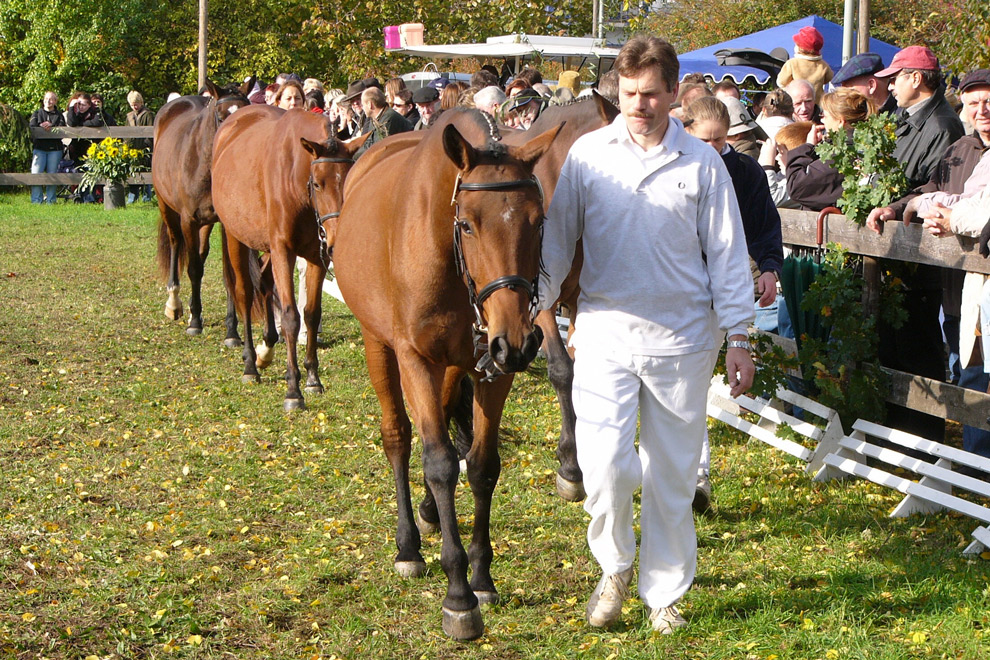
320, 219
478, 298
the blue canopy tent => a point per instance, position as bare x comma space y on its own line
704, 61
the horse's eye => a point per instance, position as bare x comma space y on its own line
464, 227
317, 186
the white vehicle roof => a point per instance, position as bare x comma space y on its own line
517, 45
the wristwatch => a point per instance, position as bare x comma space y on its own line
740, 343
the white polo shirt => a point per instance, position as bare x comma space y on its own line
666, 270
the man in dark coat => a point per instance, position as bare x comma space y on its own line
427, 100
950, 175
382, 120
860, 73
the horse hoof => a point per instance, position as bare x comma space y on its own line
487, 597
426, 528
410, 569
570, 491
290, 405
194, 332
232, 342
248, 379
463, 625
314, 389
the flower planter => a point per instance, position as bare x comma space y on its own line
114, 195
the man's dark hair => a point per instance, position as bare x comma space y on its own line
405, 95
530, 75
930, 78
483, 78
726, 85
644, 52
315, 100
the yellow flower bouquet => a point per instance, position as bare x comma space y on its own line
109, 161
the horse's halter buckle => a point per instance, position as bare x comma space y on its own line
477, 298
325, 256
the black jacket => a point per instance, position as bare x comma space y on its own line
39, 117
810, 182
923, 137
761, 221
389, 122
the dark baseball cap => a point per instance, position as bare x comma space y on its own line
864, 64
425, 95
978, 78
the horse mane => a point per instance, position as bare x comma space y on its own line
487, 124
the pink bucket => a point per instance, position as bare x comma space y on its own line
392, 37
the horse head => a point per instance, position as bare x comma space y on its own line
226, 99
331, 161
498, 220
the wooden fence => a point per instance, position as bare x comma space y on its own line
69, 179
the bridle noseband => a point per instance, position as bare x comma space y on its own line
320, 219
478, 298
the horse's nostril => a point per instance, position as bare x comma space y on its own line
499, 350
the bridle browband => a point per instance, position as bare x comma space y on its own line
320, 219
477, 298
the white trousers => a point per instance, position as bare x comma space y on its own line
670, 394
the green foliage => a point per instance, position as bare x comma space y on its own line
15, 141
965, 43
113, 46
772, 365
110, 160
843, 366
872, 177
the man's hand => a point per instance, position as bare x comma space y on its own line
911, 210
767, 288
768, 153
879, 216
938, 220
739, 367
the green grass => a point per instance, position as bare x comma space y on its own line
152, 506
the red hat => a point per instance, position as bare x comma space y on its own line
912, 57
809, 39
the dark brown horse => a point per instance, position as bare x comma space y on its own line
278, 178
579, 117
440, 271
180, 172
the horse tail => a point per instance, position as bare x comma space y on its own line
258, 304
165, 247
463, 418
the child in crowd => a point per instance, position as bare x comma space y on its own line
807, 63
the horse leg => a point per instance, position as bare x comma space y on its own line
232, 340
422, 381
243, 290
454, 396
484, 467
283, 263
194, 268
396, 440
262, 271
315, 274
171, 226
560, 369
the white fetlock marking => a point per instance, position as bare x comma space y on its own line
263, 355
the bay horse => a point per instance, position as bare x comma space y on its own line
278, 177
580, 116
441, 273
180, 173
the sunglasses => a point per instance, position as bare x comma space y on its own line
399, 105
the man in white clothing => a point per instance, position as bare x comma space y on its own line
665, 276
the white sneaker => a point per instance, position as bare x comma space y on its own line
605, 605
666, 620
702, 494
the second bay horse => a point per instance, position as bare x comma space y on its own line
180, 173
278, 178
441, 272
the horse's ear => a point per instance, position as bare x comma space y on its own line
351, 146
247, 86
606, 109
314, 148
530, 152
212, 89
458, 149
